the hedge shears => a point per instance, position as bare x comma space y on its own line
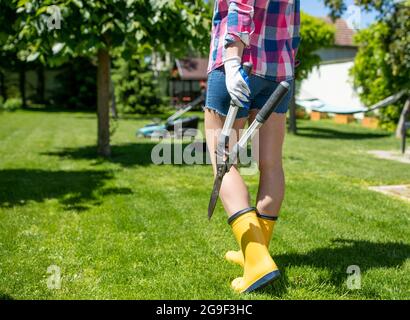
225, 159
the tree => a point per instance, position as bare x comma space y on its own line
315, 33
338, 7
8, 53
136, 88
103, 29
382, 65
76, 85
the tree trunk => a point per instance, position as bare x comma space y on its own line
40, 84
3, 88
114, 112
292, 128
22, 84
403, 116
103, 101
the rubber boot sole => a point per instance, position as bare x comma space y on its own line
264, 281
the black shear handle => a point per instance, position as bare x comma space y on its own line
273, 101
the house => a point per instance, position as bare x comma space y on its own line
188, 79
330, 82
343, 50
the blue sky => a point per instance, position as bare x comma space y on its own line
317, 8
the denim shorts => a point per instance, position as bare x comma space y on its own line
218, 98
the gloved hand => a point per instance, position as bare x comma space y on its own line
237, 82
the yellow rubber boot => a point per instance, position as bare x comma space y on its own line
259, 267
267, 224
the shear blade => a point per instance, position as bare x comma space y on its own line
214, 195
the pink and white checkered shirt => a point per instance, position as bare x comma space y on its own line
268, 28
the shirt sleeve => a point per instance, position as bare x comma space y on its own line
240, 24
296, 29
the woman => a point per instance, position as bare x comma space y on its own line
265, 33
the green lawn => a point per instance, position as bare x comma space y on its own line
128, 229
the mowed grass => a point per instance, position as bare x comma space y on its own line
128, 229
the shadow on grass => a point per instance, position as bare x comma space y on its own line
4, 296
74, 189
338, 256
327, 133
131, 154
151, 119
91, 113
53, 109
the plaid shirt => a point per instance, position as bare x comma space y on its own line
268, 28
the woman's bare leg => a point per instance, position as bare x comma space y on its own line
268, 151
234, 193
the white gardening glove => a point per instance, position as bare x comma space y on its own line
237, 82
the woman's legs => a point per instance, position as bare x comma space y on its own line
234, 193
267, 148
259, 268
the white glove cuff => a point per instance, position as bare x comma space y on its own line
233, 59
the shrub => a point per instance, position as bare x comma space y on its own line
76, 85
136, 88
12, 104
382, 65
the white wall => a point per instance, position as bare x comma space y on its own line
331, 83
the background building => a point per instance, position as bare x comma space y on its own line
330, 82
188, 79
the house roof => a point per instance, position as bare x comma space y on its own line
344, 34
192, 68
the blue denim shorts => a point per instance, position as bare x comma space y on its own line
218, 98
